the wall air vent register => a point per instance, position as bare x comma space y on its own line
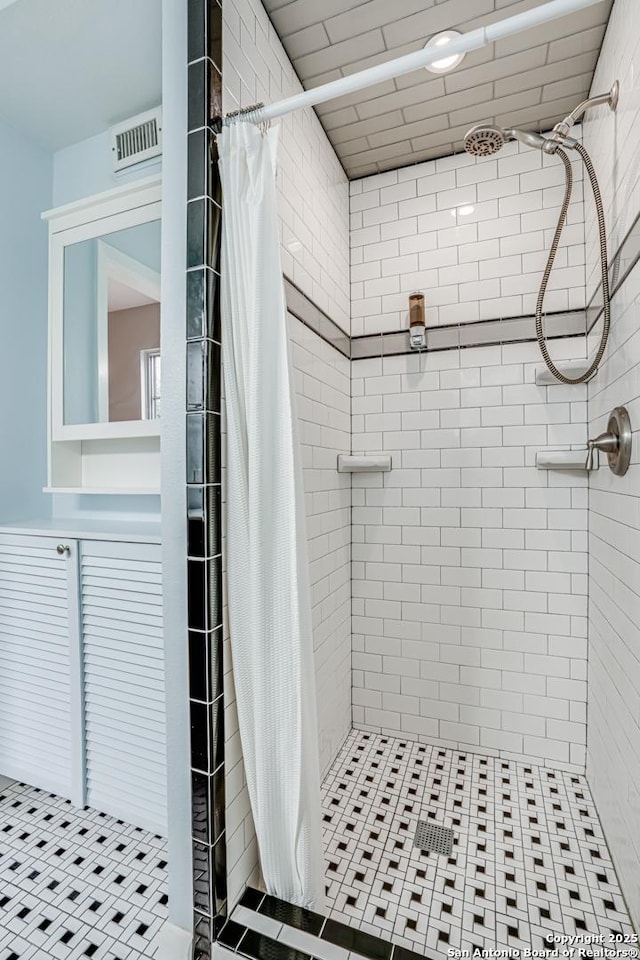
136, 139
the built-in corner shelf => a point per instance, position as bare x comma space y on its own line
378, 464
570, 368
562, 460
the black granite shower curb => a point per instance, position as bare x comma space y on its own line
244, 941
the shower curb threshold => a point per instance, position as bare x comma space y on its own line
262, 925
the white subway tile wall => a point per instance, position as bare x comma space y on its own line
313, 200
613, 139
470, 233
323, 389
613, 756
469, 565
313, 192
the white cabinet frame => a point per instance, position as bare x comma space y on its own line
87, 219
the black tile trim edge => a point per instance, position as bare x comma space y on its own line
288, 913
326, 928
203, 518
258, 946
356, 941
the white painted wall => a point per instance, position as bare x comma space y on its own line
85, 168
25, 190
410, 232
613, 755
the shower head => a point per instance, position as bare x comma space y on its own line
483, 140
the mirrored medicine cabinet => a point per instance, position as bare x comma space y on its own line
105, 368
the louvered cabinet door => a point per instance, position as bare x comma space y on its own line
40, 705
123, 671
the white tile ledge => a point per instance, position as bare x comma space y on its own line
381, 463
570, 368
562, 460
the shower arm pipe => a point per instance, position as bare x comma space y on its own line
421, 58
610, 98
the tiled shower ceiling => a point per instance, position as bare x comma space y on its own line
530, 80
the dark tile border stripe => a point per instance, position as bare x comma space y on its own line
308, 313
478, 333
203, 477
455, 336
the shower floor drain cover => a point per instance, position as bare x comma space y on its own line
434, 838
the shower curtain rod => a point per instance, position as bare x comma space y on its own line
421, 58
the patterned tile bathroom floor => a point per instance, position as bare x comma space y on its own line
529, 856
76, 884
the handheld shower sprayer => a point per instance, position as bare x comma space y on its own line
483, 140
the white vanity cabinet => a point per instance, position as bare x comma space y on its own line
123, 679
82, 710
39, 665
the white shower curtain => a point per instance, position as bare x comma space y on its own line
267, 565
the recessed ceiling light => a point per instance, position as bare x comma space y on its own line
441, 40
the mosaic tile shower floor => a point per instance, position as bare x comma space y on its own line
76, 884
529, 856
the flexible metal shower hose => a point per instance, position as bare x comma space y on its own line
588, 374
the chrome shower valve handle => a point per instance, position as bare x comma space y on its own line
615, 442
606, 442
